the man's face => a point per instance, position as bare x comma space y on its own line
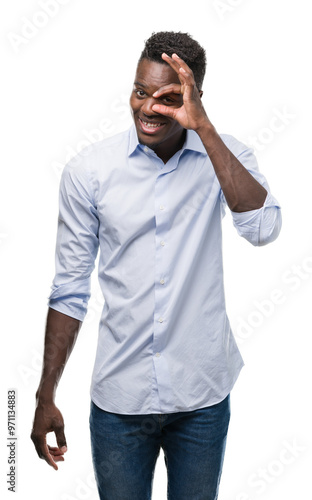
158, 132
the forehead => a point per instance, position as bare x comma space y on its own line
153, 74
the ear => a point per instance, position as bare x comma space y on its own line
201, 93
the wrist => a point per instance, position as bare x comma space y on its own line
211, 139
44, 402
44, 396
206, 129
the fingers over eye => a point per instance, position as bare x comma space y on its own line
173, 88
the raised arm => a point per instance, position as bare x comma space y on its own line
256, 213
241, 190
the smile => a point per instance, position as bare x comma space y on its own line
150, 127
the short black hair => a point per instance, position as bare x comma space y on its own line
178, 43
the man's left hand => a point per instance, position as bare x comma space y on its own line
191, 115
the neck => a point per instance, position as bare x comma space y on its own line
165, 151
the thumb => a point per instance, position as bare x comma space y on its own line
164, 110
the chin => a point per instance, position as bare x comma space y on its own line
145, 140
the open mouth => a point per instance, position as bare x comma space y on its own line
150, 127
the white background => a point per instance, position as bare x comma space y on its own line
67, 83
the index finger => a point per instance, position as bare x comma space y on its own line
171, 88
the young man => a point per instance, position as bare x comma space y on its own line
152, 199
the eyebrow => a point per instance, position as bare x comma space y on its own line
140, 84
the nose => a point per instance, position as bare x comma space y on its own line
146, 107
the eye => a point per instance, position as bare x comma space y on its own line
139, 92
168, 100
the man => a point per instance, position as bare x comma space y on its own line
152, 199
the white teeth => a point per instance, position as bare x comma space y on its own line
151, 125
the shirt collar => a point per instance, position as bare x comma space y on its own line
192, 141
133, 140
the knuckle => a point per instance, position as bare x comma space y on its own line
34, 436
58, 425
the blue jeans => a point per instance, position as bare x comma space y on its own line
125, 449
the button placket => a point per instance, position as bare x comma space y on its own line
162, 285
161, 243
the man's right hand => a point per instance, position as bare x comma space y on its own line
60, 337
48, 418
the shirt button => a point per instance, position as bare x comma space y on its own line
157, 354
161, 207
162, 243
160, 320
162, 281
146, 149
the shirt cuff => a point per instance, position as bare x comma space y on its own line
249, 219
260, 226
71, 298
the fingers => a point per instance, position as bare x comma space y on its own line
60, 437
171, 61
48, 419
56, 452
164, 110
172, 88
185, 74
43, 450
178, 65
50, 454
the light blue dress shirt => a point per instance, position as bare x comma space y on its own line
165, 343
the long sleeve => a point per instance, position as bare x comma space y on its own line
77, 242
261, 226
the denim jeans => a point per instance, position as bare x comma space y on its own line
125, 449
